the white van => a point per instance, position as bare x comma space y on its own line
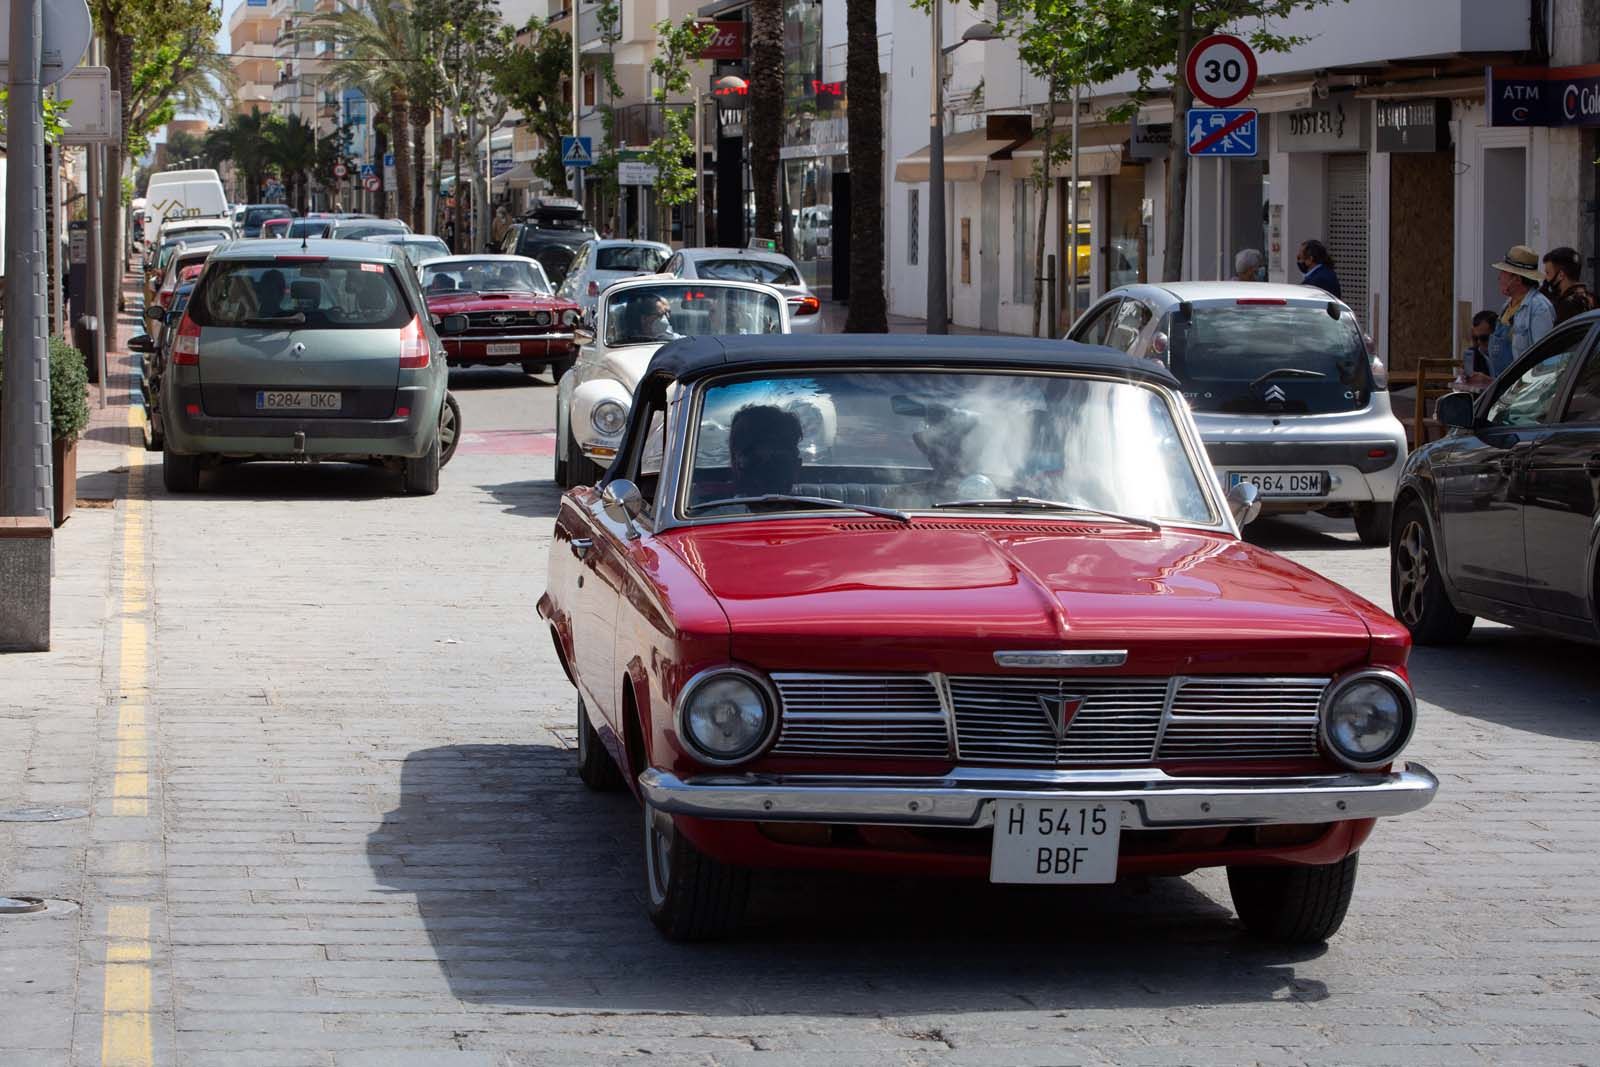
189, 194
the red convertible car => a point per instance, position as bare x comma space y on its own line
934, 607
515, 317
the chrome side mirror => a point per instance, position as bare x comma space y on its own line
623, 502
1244, 502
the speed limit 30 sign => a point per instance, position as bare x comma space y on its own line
1221, 70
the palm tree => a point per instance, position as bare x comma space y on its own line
766, 109
869, 311
244, 142
292, 145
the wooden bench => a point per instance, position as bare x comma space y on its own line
1435, 378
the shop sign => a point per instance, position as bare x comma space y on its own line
1337, 124
1149, 142
1544, 96
1413, 125
727, 43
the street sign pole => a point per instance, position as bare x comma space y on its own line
25, 446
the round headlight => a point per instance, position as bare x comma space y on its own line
571, 316
726, 716
1367, 718
609, 417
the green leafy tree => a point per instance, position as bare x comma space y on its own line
292, 148
530, 76
1086, 42
471, 45
246, 142
676, 48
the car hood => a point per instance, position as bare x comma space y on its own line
946, 595
448, 304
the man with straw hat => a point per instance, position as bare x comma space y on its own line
1527, 314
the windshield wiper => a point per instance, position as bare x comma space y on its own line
1286, 372
297, 319
1048, 505
817, 501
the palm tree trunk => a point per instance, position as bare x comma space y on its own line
766, 111
869, 309
380, 148
419, 133
402, 162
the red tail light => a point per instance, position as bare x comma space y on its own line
164, 298
594, 287
807, 305
186, 349
1268, 300
413, 345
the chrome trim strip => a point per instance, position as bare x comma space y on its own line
1173, 685
495, 339
967, 799
1062, 659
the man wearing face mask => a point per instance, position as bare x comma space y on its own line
1316, 267
1527, 314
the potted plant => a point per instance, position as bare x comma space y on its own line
69, 414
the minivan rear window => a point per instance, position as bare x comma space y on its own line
1269, 359
314, 295
645, 259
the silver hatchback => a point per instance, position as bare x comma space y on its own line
1283, 387
305, 351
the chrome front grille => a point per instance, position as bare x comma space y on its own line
1243, 718
1000, 719
883, 716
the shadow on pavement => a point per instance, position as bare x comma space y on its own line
530, 888
293, 481
1489, 676
531, 500
1283, 533
466, 380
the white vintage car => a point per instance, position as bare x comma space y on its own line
633, 319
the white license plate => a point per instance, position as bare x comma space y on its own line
1042, 843
510, 348
1282, 483
277, 400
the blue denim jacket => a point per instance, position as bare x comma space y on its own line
1532, 321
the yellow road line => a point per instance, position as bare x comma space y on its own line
125, 1029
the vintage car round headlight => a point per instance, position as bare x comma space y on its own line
541, 318
571, 317
726, 715
1367, 718
609, 417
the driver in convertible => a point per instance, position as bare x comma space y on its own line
764, 450
654, 322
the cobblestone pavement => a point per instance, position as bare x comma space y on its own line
325, 749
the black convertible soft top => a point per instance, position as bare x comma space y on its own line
695, 357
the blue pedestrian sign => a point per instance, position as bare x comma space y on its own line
1222, 131
368, 170
577, 151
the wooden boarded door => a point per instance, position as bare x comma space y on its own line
1421, 258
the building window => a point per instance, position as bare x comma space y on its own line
588, 88
1022, 233
913, 203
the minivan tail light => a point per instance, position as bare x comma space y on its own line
186, 349
413, 345
1272, 300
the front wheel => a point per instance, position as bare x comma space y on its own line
1416, 589
581, 470
449, 428
422, 474
1373, 522
560, 366
1294, 905
596, 768
692, 897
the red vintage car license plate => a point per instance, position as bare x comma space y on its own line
1039, 842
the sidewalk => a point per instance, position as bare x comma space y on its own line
833, 317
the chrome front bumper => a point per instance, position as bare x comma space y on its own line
968, 797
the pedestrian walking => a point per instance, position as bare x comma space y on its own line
1569, 296
1249, 267
1316, 268
1527, 314
502, 223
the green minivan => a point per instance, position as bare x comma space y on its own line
306, 351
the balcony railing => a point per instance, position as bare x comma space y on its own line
639, 124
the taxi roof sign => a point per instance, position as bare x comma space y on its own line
762, 244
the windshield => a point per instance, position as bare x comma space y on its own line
255, 216
651, 314
322, 294
913, 440
355, 231
485, 276
640, 259
770, 272
1270, 359
309, 227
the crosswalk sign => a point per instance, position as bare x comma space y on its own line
577, 151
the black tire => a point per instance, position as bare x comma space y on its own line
1416, 590
689, 895
532, 367
562, 480
421, 475
581, 470
595, 766
1373, 522
449, 428
560, 366
1294, 905
180, 474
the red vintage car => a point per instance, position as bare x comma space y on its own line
939, 606
515, 317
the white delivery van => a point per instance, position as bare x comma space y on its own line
182, 194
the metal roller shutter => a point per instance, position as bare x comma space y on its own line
1348, 214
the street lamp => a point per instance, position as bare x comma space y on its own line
728, 84
938, 268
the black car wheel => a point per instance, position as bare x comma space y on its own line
560, 366
1415, 587
596, 768
1294, 905
581, 470
1373, 522
180, 474
449, 428
421, 475
692, 897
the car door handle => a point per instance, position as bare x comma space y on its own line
581, 546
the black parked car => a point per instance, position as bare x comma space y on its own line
1499, 518
553, 248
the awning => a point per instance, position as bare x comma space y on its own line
1267, 99
521, 174
1099, 151
966, 158
1471, 88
